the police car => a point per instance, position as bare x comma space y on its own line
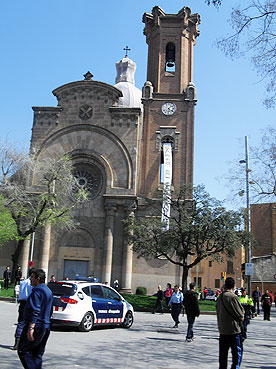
85, 304
210, 295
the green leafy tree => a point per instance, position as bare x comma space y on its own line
199, 228
7, 225
36, 192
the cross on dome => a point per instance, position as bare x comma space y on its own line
126, 50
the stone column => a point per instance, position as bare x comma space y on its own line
108, 243
127, 255
44, 262
24, 257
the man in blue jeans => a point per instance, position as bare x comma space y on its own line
192, 310
36, 331
176, 303
230, 314
25, 290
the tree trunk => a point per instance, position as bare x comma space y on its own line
15, 258
185, 272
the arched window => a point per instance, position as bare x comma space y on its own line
170, 57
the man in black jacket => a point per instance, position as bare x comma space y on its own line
7, 277
159, 300
192, 310
256, 295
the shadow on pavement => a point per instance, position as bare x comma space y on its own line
163, 339
6, 347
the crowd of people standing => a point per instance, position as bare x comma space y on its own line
234, 310
175, 300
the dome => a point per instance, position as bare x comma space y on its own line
125, 83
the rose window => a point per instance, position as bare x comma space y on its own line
89, 180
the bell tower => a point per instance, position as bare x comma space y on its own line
169, 98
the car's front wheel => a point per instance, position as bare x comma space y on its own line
128, 320
87, 322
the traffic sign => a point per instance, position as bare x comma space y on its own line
249, 269
31, 264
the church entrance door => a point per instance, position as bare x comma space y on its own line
74, 268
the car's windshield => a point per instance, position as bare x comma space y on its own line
62, 288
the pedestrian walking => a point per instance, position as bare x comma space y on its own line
246, 304
159, 300
175, 303
17, 276
266, 301
230, 314
192, 310
168, 293
36, 331
256, 296
7, 277
25, 290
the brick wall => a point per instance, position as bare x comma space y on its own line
263, 228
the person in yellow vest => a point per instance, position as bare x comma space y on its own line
246, 304
252, 308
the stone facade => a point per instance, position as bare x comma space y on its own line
115, 142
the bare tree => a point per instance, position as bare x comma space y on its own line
255, 35
261, 272
37, 191
262, 170
216, 3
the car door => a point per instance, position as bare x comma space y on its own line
99, 303
115, 304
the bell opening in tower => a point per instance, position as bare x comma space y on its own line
170, 57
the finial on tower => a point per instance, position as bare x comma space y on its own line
126, 50
88, 76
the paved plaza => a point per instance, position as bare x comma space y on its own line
150, 343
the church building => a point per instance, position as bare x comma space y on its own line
116, 137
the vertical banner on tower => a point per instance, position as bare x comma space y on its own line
166, 205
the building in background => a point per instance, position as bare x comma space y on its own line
208, 273
263, 227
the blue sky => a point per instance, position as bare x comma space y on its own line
46, 44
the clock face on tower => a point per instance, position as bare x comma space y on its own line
168, 108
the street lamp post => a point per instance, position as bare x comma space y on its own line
247, 223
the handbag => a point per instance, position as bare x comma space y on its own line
243, 331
